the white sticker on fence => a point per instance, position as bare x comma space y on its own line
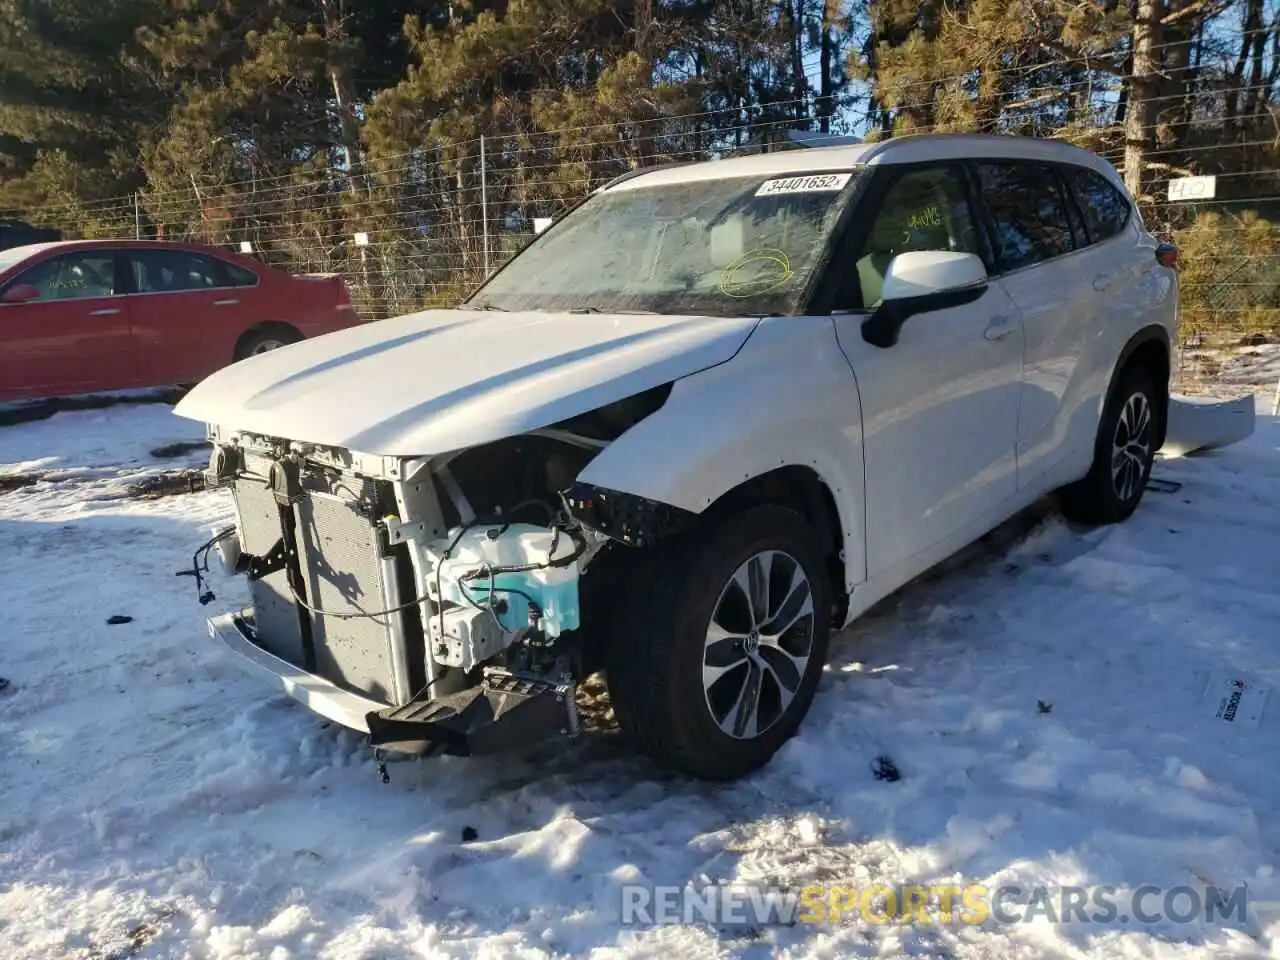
246, 246
362, 239
813, 183
541, 223
1233, 700
1193, 188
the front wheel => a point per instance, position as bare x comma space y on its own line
1123, 455
721, 645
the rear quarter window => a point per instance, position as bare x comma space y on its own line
1106, 211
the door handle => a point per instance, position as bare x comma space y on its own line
108, 312
1103, 280
225, 303
999, 328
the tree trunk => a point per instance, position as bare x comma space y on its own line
344, 96
799, 82
1140, 112
344, 92
1173, 110
826, 78
1256, 72
1235, 85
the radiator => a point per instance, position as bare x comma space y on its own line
344, 564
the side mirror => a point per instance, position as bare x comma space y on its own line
920, 282
20, 293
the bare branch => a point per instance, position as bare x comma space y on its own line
1208, 8
1062, 50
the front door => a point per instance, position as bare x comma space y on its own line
940, 407
75, 337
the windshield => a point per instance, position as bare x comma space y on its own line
731, 247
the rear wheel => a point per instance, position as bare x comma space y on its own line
266, 339
718, 653
1123, 454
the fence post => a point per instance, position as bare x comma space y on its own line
1275, 404
484, 207
137, 218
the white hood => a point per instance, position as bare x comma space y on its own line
443, 380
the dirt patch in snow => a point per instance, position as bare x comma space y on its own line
171, 451
27, 412
17, 481
174, 483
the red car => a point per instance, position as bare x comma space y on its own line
86, 316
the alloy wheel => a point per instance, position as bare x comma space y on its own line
758, 644
1131, 446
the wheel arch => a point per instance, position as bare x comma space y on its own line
641, 522
804, 490
1151, 349
782, 420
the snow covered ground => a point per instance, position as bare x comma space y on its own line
1042, 698
1233, 371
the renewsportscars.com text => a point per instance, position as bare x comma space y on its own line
971, 904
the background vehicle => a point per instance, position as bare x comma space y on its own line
714, 413
15, 233
83, 316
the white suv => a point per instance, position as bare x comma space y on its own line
715, 412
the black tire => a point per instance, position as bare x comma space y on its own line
655, 658
268, 337
1104, 496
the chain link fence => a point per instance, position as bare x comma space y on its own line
424, 229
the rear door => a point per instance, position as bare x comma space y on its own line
76, 336
1037, 236
184, 308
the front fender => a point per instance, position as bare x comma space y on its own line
788, 398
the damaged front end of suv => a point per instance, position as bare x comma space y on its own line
435, 603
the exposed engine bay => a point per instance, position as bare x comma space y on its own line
444, 597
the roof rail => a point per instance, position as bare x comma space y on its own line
640, 172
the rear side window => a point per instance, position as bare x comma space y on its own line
1027, 211
172, 271
1106, 210
236, 275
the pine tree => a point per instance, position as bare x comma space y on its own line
72, 112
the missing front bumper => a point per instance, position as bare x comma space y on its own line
502, 713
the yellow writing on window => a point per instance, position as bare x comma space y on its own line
926, 218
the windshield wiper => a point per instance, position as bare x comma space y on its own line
484, 306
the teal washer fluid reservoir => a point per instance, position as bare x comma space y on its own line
553, 589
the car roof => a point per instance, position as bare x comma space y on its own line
907, 149
13, 256
32, 249
25, 250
